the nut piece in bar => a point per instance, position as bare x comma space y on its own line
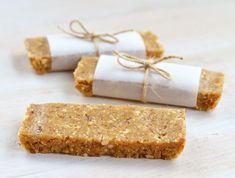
38, 51
96, 130
209, 93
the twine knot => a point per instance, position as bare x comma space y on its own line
90, 36
146, 65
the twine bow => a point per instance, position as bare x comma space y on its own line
147, 65
91, 36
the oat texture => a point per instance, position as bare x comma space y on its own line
95, 130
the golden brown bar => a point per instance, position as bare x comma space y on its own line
96, 130
210, 88
38, 51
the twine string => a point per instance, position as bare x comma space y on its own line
78, 30
147, 66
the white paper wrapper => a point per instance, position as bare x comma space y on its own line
112, 80
67, 50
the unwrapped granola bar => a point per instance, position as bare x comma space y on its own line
96, 130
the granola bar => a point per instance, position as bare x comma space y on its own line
209, 93
38, 51
96, 130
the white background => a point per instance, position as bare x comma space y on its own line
201, 31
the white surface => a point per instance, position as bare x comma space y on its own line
67, 50
201, 31
113, 80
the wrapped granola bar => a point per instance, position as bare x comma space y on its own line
61, 52
189, 86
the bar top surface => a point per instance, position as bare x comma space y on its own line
106, 122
